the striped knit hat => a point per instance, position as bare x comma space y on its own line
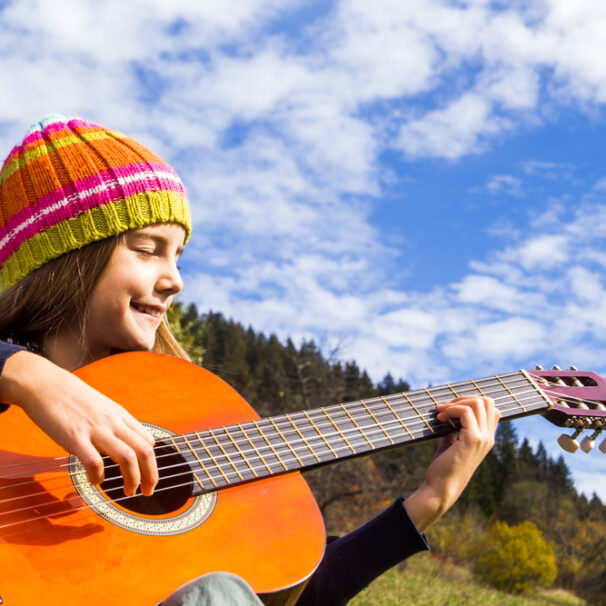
71, 183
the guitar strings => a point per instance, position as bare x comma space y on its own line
315, 438
370, 401
373, 404
223, 456
233, 473
288, 428
261, 467
285, 446
87, 507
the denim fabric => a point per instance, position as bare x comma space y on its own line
214, 589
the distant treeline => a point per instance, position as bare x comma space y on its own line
515, 483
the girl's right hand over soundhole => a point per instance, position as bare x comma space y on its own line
80, 419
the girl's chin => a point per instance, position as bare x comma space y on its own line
138, 343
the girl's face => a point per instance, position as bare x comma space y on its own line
135, 290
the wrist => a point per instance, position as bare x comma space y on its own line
425, 507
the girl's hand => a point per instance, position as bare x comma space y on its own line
81, 420
456, 458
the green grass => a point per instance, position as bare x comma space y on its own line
427, 581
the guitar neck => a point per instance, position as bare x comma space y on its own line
233, 454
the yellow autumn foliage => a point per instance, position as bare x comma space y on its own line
516, 558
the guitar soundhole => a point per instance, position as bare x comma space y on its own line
173, 490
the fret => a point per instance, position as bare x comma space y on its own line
233, 453
321, 435
210, 454
210, 477
198, 459
539, 391
281, 447
527, 394
294, 452
195, 454
446, 399
385, 431
397, 417
376, 421
275, 453
339, 432
254, 448
241, 454
357, 426
419, 414
302, 436
511, 394
225, 453
456, 395
441, 393
478, 388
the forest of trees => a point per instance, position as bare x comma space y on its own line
514, 484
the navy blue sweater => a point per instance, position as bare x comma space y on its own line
351, 562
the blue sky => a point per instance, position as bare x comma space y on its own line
420, 184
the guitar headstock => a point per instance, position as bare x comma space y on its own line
579, 402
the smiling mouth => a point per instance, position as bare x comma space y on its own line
150, 311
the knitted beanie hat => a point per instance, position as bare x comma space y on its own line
70, 183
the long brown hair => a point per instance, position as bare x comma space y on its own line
43, 301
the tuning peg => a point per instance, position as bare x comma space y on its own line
569, 443
588, 442
538, 367
573, 368
603, 446
556, 367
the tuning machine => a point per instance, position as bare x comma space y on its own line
588, 442
569, 443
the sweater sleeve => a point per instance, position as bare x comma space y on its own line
6, 351
352, 562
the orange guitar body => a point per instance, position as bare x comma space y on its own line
58, 550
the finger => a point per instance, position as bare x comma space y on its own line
146, 457
494, 416
139, 429
479, 406
122, 454
91, 460
149, 470
464, 414
491, 416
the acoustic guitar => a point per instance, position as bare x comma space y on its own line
230, 496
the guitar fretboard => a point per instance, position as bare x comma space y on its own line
242, 452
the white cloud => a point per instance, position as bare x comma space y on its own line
508, 184
493, 293
454, 131
547, 169
545, 250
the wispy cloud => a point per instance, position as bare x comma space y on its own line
507, 184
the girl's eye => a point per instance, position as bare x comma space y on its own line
145, 251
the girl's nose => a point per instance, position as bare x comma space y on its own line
170, 282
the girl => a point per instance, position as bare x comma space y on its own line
93, 225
